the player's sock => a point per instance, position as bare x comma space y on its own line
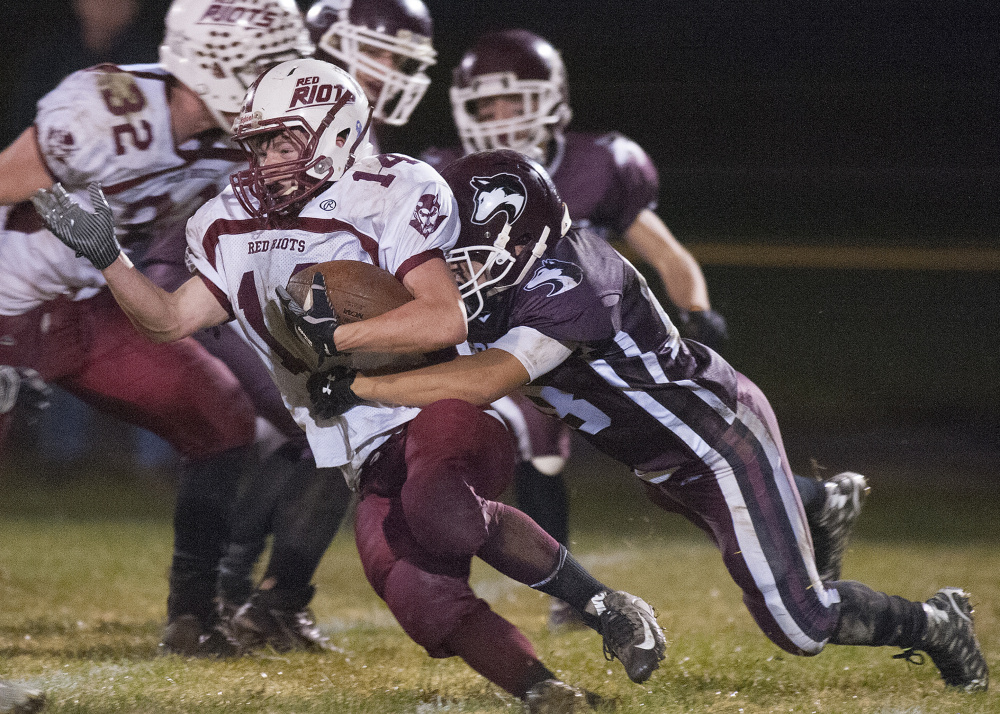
869, 617
812, 493
305, 522
571, 583
260, 493
543, 498
201, 528
497, 650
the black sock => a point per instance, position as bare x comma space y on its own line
544, 499
869, 617
812, 493
571, 583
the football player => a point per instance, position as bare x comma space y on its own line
155, 135
315, 192
510, 91
386, 46
555, 310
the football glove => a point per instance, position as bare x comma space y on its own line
705, 326
91, 235
331, 392
313, 326
23, 387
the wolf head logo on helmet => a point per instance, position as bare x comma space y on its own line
503, 192
384, 44
510, 214
321, 111
219, 48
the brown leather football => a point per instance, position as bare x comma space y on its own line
356, 290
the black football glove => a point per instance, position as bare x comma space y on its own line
91, 235
23, 387
705, 326
314, 326
331, 392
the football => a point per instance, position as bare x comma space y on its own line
356, 290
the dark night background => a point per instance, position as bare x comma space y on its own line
836, 123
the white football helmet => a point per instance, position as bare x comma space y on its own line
219, 48
519, 63
322, 110
350, 33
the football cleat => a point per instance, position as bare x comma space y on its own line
18, 699
264, 622
186, 636
831, 532
951, 643
552, 696
630, 633
563, 617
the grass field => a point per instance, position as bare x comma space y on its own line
83, 587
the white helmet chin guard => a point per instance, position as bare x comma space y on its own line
218, 49
322, 110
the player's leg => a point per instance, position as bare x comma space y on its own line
458, 459
430, 596
305, 520
19, 699
190, 399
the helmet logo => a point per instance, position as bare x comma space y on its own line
227, 12
501, 193
425, 216
556, 275
309, 92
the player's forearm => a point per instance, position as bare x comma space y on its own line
682, 277
470, 378
149, 307
413, 327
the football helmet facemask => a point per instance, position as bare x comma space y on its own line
320, 109
354, 33
219, 49
514, 63
510, 213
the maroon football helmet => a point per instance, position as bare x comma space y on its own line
510, 212
355, 34
511, 63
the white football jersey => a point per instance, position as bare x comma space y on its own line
388, 210
112, 124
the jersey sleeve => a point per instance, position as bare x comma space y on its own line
202, 255
537, 352
636, 179
420, 221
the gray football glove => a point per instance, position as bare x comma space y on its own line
91, 235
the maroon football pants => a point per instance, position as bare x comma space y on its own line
426, 508
177, 390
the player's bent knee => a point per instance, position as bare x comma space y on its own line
428, 606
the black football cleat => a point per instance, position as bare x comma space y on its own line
831, 532
186, 636
271, 619
631, 633
951, 642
